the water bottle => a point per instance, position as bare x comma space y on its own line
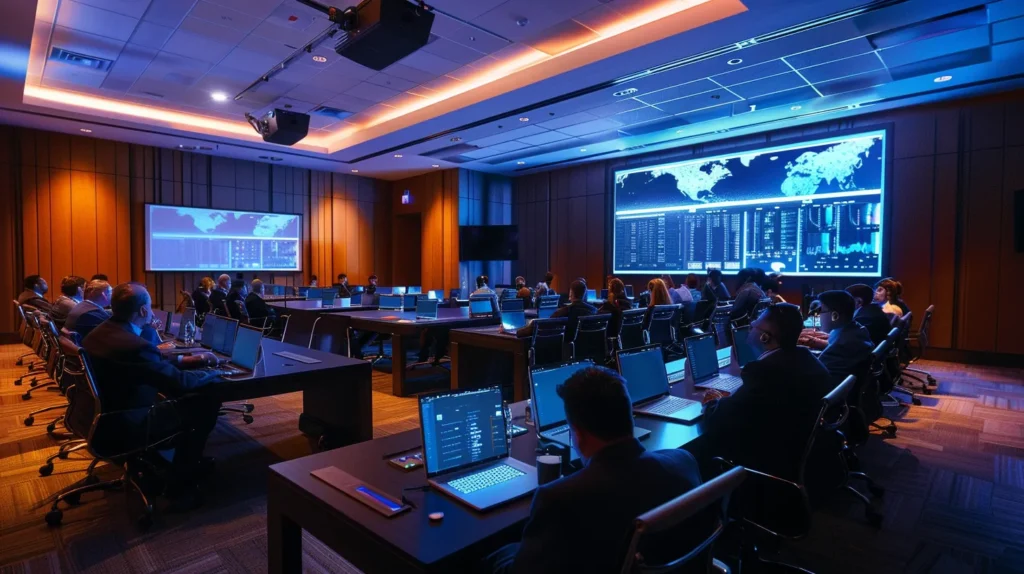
190, 333
508, 423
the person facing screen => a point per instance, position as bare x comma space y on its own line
71, 291
201, 296
714, 289
371, 285
659, 293
342, 286
313, 280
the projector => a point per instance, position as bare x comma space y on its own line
385, 31
280, 126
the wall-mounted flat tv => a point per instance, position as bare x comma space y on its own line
488, 243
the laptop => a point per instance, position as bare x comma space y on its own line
426, 309
433, 295
390, 303
742, 350
512, 305
244, 354
303, 291
702, 365
549, 410
414, 291
647, 381
676, 371
512, 321
465, 448
398, 290
383, 291
480, 307
314, 293
591, 295
629, 291
219, 333
327, 298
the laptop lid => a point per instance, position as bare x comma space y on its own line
462, 429
548, 407
227, 340
546, 312
383, 290
414, 290
701, 355
390, 303
629, 291
432, 295
188, 316
742, 349
591, 295
303, 291
213, 330
398, 290
676, 369
328, 297
513, 320
480, 307
512, 305
426, 309
644, 371
314, 293
247, 347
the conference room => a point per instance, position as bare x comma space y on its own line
509, 286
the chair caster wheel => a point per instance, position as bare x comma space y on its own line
874, 518
248, 408
144, 522
19, 362
73, 499
33, 383
51, 427
916, 401
26, 396
54, 517
926, 390
29, 421
63, 455
247, 419
876, 491
17, 382
46, 469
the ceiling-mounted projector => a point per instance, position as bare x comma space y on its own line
280, 126
383, 32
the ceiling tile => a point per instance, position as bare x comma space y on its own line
293, 36
202, 40
349, 103
935, 46
151, 35
507, 135
676, 92
224, 16
256, 8
133, 8
639, 115
319, 122
590, 127
1008, 30
428, 62
176, 69
599, 17
622, 105
698, 101
157, 90
132, 62
405, 99
750, 73
308, 93
371, 92
468, 36
768, 85
69, 76
852, 83
561, 37
569, 120
297, 73
410, 74
247, 60
87, 44
92, 20
167, 12
506, 147
539, 14
391, 82
328, 80
278, 50
544, 138
463, 9
481, 153
841, 68
785, 98
440, 84
830, 53
451, 51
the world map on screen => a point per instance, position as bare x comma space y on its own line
207, 222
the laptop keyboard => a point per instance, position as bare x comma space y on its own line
668, 405
484, 479
727, 383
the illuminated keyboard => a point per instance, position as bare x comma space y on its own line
482, 480
726, 383
669, 405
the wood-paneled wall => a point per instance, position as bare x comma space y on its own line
955, 168
435, 195
485, 199
79, 205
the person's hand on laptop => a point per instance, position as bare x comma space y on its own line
198, 360
713, 395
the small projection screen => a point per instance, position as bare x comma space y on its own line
807, 208
198, 239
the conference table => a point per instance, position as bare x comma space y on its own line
303, 315
481, 356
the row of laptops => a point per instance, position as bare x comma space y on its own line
592, 294
224, 336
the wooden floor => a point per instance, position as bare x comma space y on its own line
954, 477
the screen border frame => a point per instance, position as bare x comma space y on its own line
146, 237
701, 151
423, 431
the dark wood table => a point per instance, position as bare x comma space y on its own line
481, 356
404, 324
302, 315
336, 393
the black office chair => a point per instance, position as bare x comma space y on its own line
591, 340
722, 325
883, 386
37, 367
899, 340
687, 512
79, 411
927, 381
26, 336
632, 334
51, 352
660, 324
546, 341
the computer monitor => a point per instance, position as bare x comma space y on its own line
303, 291
409, 301
327, 299
513, 320
246, 350
629, 291
644, 371
357, 289
462, 428
701, 358
549, 409
426, 309
398, 290
742, 348
591, 295
383, 290
480, 307
390, 303
512, 305
414, 290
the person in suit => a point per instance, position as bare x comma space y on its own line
255, 305
748, 295
236, 296
582, 522
714, 289
219, 295
201, 296
576, 308
849, 344
342, 286
868, 313
371, 285
131, 374
32, 296
92, 311
765, 425
616, 303
71, 292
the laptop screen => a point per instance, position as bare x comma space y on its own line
644, 371
432, 295
480, 306
675, 369
513, 320
548, 406
247, 347
591, 294
462, 428
314, 293
383, 290
745, 353
426, 309
188, 315
390, 302
546, 312
328, 298
398, 290
414, 291
227, 341
629, 291
213, 331
701, 355
512, 305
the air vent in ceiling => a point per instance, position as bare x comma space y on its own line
946, 24
68, 57
330, 112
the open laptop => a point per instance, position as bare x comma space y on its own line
219, 333
327, 298
426, 309
647, 381
512, 321
398, 290
413, 290
480, 307
465, 448
742, 351
390, 303
676, 371
629, 291
591, 295
548, 407
702, 365
510, 305
244, 354
434, 295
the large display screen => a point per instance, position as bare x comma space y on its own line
197, 239
812, 208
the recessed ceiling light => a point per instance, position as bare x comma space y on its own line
319, 59
355, 171
626, 92
524, 119
583, 149
219, 97
85, 130
795, 108
398, 155
941, 79
435, 165
520, 163
456, 139
734, 62
271, 158
854, 106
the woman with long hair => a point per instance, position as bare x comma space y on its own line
659, 293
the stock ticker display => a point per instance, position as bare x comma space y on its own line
813, 208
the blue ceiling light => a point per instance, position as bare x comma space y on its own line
941, 79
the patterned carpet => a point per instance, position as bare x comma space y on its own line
954, 477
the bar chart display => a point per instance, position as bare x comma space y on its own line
812, 208
197, 239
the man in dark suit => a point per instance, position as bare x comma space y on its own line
868, 313
342, 286
219, 295
235, 296
371, 285
92, 311
765, 425
255, 305
576, 308
131, 374
714, 289
71, 292
849, 344
582, 522
32, 296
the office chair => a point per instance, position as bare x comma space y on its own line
546, 341
25, 334
48, 334
883, 386
632, 334
325, 334
79, 410
673, 518
591, 340
63, 381
922, 337
660, 324
900, 335
36, 367
722, 325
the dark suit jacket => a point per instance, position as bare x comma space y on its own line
130, 371
201, 301
573, 312
32, 299
615, 308
876, 321
849, 349
370, 289
232, 298
85, 317
582, 522
217, 299
257, 307
747, 297
710, 293
60, 309
766, 424
343, 292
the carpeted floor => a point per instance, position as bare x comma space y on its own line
954, 477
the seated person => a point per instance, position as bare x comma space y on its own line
659, 293
371, 285
71, 292
131, 374
576, 308
714, 289
678, 295
342, 287
888, 295
92, 311
219, 295
771, 290
313, 281
765, 425
201, 296
483, 289
616, 303
523, 292
748, 295
32, 296
583, 522
870, 314
693, 284
235, 296
849, 344
256, 306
